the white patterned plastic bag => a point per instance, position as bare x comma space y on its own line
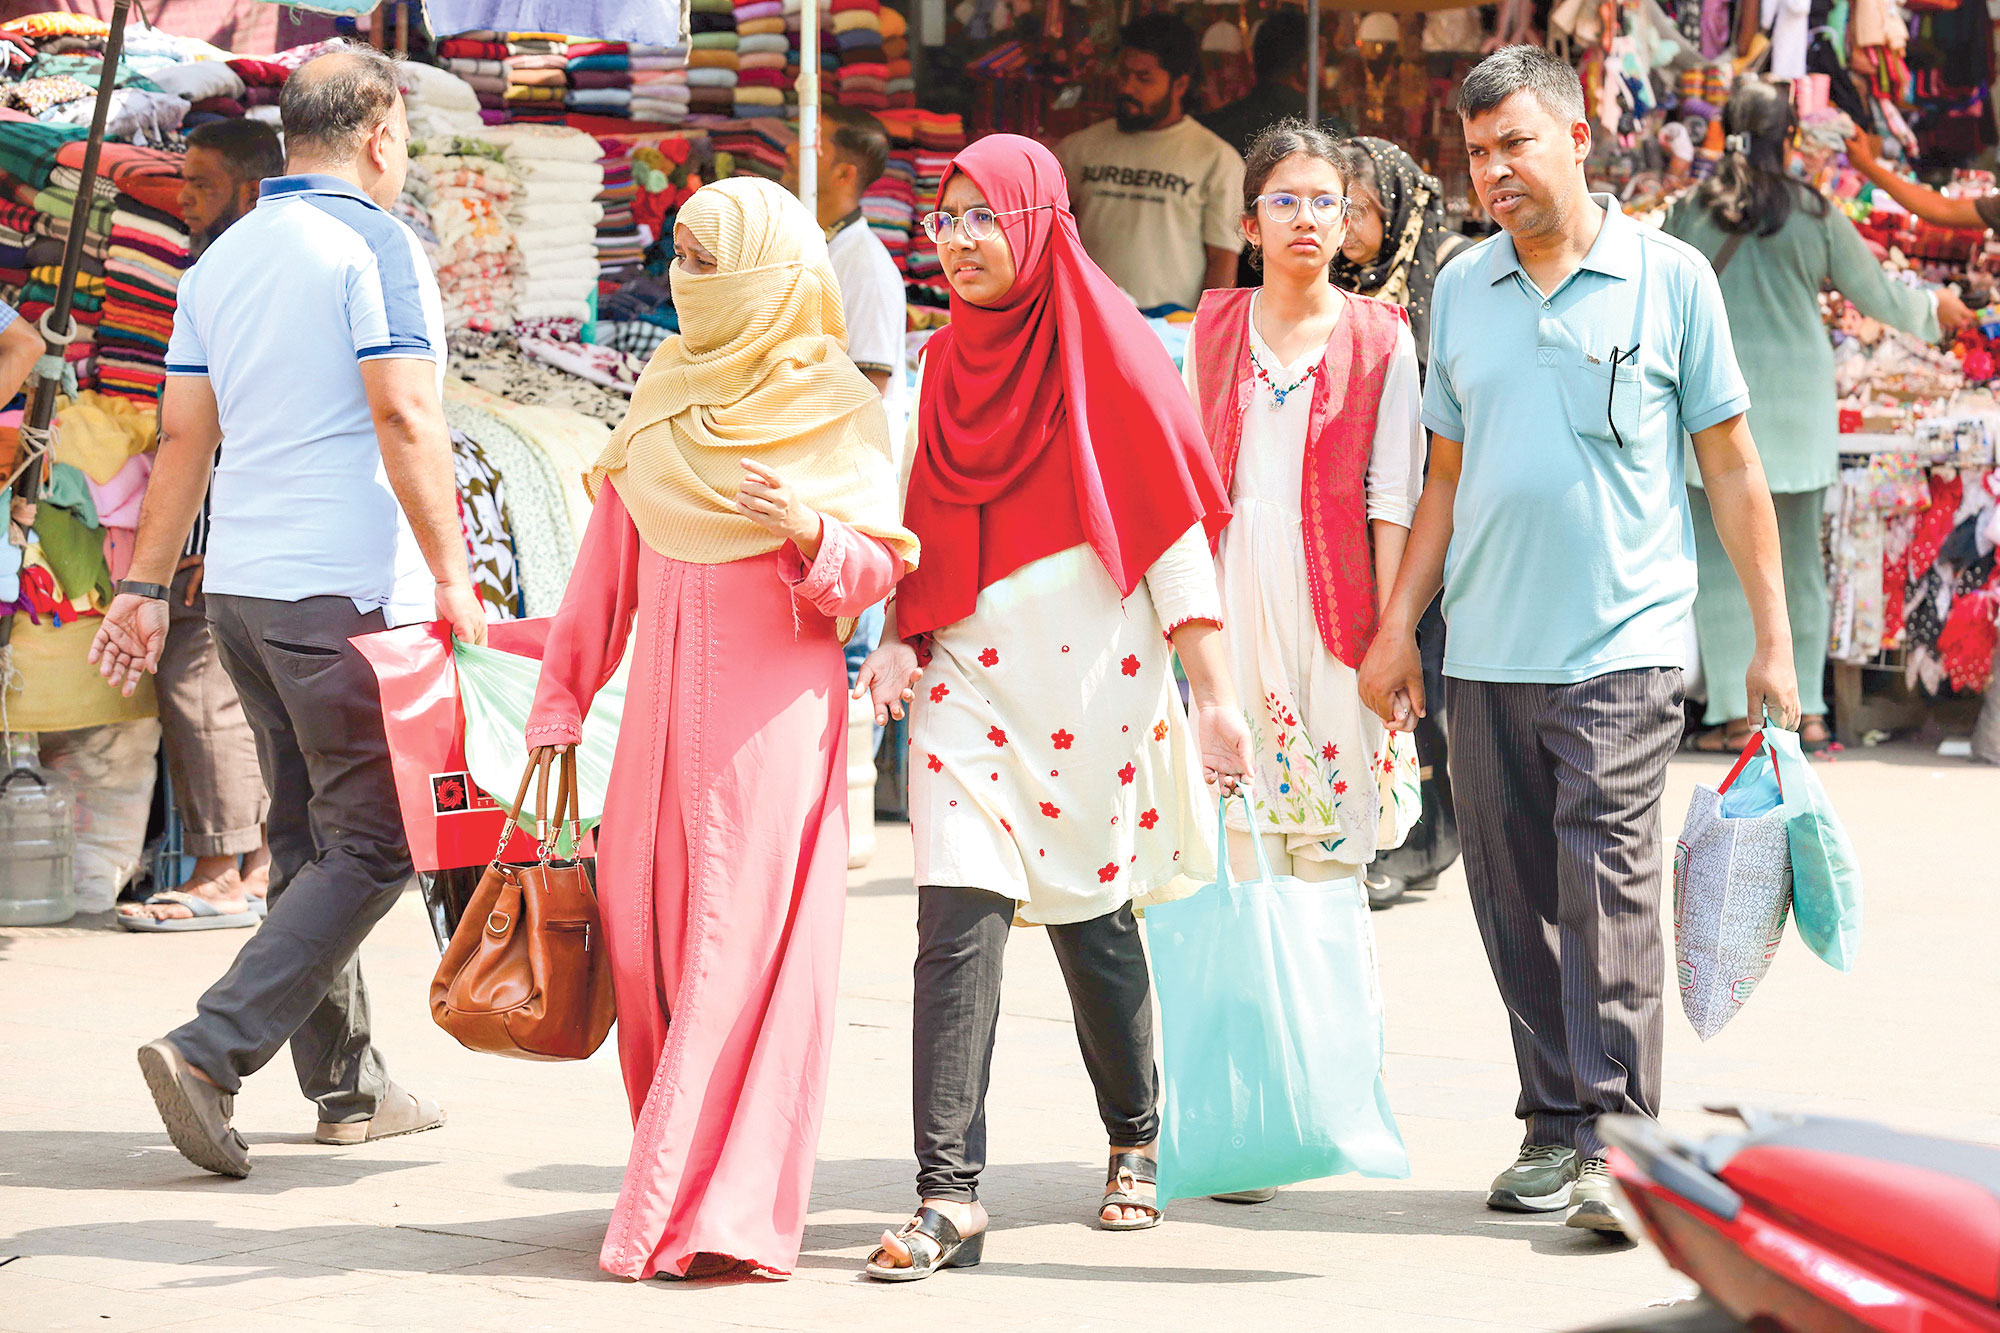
1732, 892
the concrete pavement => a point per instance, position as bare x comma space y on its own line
494, 1221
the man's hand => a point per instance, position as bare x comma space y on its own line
198, 564
889, 678
1225, 746
1773, 686
129, 640
1391, 680
459, 605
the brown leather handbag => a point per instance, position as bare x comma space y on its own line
526, 973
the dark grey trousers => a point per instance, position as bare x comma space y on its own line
338, 855
1558, 791
961, 943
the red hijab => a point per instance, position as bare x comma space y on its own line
1049, 420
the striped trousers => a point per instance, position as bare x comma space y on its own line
1558, 790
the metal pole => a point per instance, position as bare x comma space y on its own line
56, 325
809, 106
1312, 62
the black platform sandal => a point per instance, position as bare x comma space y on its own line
933, 1243
1131, 1183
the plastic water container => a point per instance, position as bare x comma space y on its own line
37, 847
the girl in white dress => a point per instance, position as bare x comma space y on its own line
1310, 399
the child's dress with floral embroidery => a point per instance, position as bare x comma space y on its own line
1329, 775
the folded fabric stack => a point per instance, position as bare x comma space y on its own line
262, 80
896, 47
763, 53
864, 65
666, 170
480, 58
621, 247
147, 254
712, 58
890, 205
752, 148
660, 91
440, 104
934, 139
555, 214
212, 90
464, 187
600, 79
34, 223
537, 75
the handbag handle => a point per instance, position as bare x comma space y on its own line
547, 830
1222, 875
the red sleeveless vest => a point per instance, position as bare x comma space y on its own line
1333, 493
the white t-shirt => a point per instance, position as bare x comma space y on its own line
278, 315
871, 292
1148, 203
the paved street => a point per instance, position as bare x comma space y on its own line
494, 1222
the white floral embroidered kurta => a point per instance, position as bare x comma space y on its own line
1329, 775
1050, 757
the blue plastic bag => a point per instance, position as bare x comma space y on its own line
1826, 880
1271, 1035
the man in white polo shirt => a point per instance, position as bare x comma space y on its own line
310, 338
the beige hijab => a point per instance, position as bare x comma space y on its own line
759, 370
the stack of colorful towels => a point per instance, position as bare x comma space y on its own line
537, 75
465, 188
600, 78
864, 65
480, 59
896, 46
621, 250
660, 90
143, 262
763, 53
712, 58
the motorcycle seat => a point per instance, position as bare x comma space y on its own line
1932, 1205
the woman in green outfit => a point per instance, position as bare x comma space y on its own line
1775, 243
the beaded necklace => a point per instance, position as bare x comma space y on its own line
1279, 395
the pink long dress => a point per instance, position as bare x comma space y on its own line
721, 870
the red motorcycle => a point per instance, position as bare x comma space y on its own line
1805, 1224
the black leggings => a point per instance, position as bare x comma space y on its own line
961, 941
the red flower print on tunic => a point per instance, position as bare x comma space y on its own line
1063, 740
1340, 789
1329, 752
1149, 819
937, 764
989, 658
1126, 774
938, 692
1160, 730
1050, 810
1005, 825
1109, 873
1130, 666
997, 736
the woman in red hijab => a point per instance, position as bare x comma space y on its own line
1065, 495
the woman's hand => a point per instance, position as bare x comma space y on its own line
767, 499
889, 677
1225, 746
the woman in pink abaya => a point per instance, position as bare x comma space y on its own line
746, 510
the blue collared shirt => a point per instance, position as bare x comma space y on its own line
1572, 551
279, 314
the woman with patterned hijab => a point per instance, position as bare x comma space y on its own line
1397, 239
745, 513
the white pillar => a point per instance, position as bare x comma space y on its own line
860, 782
809, 106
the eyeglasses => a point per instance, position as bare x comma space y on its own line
981, 224
1618, 359
1284, 208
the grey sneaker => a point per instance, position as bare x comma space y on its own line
1538, 1182
1593, 1204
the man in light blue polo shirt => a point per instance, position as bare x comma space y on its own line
1570, 358
309, 338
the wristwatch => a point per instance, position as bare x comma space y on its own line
137, 589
